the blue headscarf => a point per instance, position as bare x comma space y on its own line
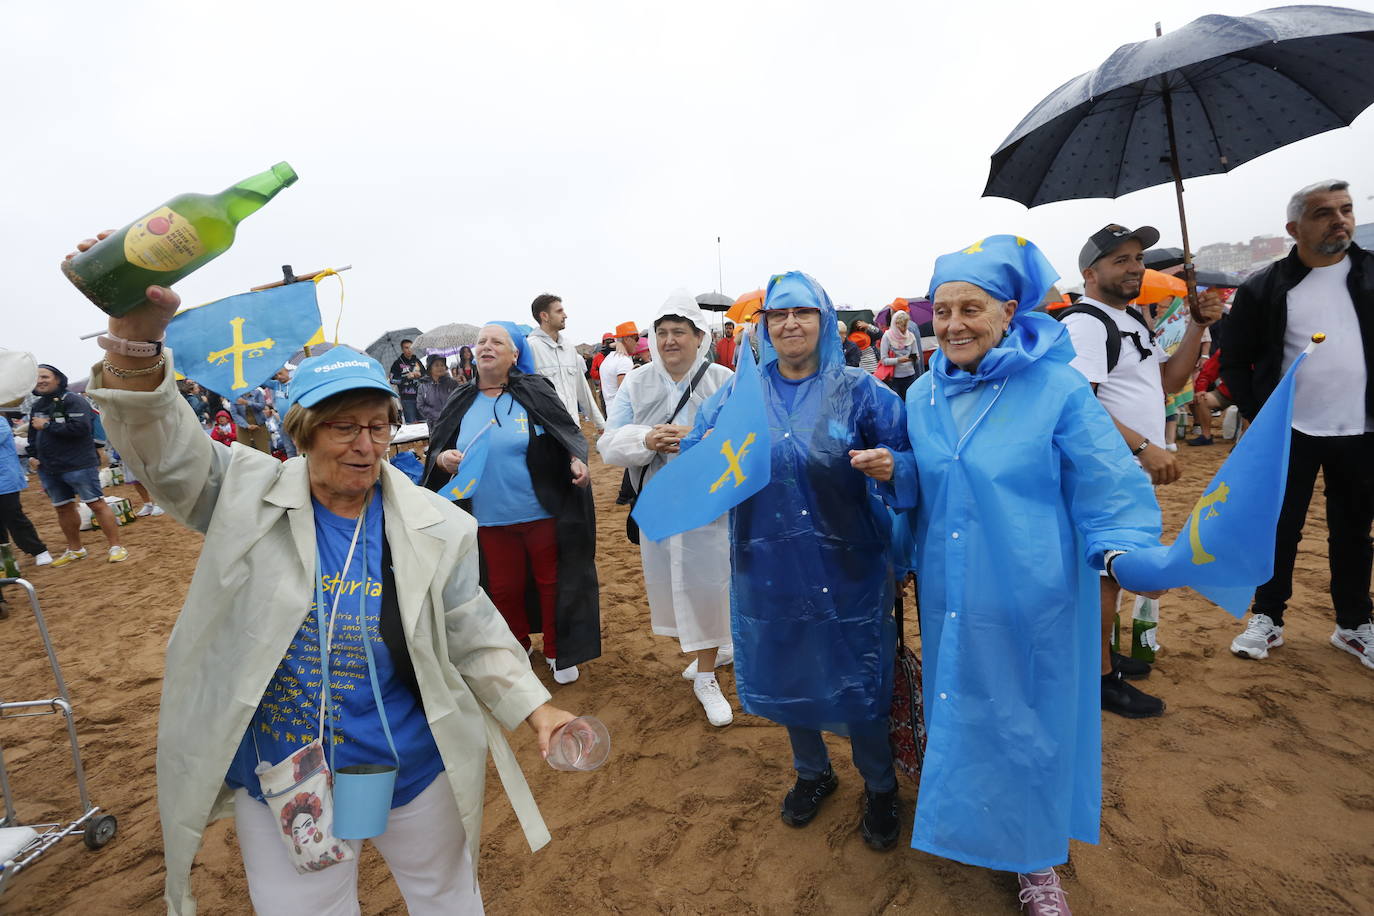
796, 290
1006, 267
524, 359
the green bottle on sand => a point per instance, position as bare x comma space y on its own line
1145, 629
174, 240
7, 558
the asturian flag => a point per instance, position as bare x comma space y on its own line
234, 344
1226, 548
729, 465
469, 473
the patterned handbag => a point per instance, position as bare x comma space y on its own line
907, 724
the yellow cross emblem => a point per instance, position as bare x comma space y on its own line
734, 457
975, 248
467, 490
1208, 502
237, 350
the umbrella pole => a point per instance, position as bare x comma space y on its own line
1189, 273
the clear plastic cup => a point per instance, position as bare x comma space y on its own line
582, 744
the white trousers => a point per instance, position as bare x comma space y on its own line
424, 846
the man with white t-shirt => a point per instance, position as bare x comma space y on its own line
1325, 285
1130, 374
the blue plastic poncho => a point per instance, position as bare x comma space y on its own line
1017, 507
812, 583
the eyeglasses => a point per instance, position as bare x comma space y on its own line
780, 316
380, 433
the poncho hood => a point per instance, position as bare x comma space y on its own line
796, 290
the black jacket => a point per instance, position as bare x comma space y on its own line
67, 443
579, 597
1252, 359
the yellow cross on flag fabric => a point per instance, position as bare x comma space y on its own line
729, 465
234, 344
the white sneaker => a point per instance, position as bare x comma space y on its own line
1359, 642
42, 559
149, 510
1259, 637
566, 676
1171, 447
725, 655
717, 708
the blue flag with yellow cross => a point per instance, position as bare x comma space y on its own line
1226, 548
470, 468
729, 465
232, 345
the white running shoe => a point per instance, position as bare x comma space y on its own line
725, 655
566, 676
1259, 637
42, 559
717, 708
1359, 642
149, 510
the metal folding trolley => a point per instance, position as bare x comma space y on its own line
22, 844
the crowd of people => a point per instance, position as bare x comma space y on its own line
1006, 474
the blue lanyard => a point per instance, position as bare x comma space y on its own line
326, 695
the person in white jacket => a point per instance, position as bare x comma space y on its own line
448, 668
687, 576
557, 359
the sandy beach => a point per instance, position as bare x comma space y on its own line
1252, 795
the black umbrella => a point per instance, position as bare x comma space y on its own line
1219, 278
714, 302
386, 348
1163, 258
1198, 101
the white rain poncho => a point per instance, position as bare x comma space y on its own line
687, 576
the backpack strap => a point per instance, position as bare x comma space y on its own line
1113, 332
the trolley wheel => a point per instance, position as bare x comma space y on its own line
100, 831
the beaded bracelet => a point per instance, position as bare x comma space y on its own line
117, 372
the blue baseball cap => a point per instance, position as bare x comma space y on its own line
341, 369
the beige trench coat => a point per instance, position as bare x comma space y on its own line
250, 591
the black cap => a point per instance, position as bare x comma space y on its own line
1111, 237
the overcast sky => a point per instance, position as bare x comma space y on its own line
465, 157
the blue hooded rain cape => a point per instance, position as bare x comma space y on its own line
1017, 507
811, 588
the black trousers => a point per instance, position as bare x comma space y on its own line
1347, 467
15, 524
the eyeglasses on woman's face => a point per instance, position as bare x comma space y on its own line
778, 317
341, 432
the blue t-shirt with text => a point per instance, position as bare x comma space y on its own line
287, 719
505, 494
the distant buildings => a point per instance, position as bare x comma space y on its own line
1244, 258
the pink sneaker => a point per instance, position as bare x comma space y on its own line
1041, 894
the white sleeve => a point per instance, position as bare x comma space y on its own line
1089, 338
622, 444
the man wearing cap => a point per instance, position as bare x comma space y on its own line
1132, 390
559, 362
620, 361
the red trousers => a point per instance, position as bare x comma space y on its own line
507, 549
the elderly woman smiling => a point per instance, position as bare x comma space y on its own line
1025, 490
243, 688
532, 503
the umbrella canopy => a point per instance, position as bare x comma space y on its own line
1217, 92
918, 308
714, 302
1163, 258
1198, 101
448, 337
386, 348
745, 307
1219, 278
315, 350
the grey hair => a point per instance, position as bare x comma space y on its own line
1298, 202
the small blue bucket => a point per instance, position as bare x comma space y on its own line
362, 800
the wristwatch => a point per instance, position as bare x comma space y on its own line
1144, 444
135, 348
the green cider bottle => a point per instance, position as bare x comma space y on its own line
169, 243
7, 562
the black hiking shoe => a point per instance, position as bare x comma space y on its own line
1124, 700
1130, 668
881, 822
804, 800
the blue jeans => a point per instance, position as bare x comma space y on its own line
868, 742
410, 413
62, 488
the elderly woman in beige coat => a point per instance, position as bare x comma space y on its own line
452, 671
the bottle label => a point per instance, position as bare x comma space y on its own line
163, 240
